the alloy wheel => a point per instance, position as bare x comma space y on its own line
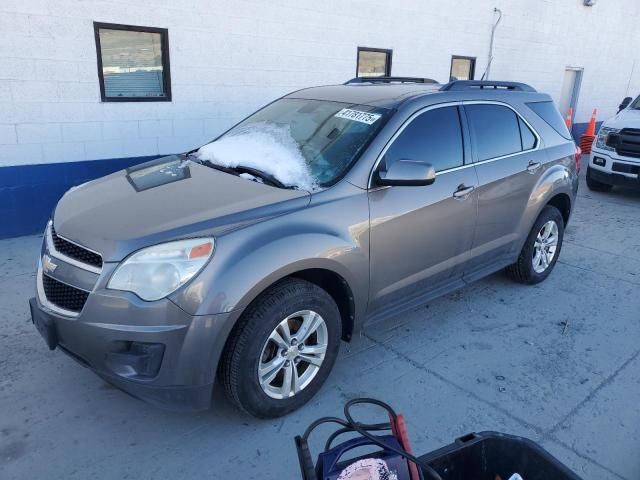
293, 354
545, 246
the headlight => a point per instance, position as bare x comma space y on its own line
154, 272
603, 135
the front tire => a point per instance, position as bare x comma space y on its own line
282, 350
595, 185
541, 249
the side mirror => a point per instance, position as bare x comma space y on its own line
625, 103
407, 173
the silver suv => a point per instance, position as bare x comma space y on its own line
251, 258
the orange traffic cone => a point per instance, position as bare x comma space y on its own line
587, 138
591, 129
569, 117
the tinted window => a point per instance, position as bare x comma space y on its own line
434, 136
550, 114
528, 138
494, 129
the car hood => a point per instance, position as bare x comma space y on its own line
162, 200
627, 118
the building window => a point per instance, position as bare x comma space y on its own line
374, 62
462, 68
133, 63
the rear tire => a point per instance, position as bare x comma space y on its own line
539, 254
595, 185
258, 347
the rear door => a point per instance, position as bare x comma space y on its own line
509, 162
420, 235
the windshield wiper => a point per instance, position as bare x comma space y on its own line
215, 166
266, 177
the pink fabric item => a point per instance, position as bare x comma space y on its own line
367, 469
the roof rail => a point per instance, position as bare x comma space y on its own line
390, 80
486, 84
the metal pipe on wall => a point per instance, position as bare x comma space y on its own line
485, 76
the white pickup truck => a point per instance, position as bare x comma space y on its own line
615, 156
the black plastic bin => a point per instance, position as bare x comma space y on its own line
485, 455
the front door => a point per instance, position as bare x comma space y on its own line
420, 234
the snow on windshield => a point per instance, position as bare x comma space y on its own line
265, 146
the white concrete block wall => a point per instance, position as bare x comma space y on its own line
228, 58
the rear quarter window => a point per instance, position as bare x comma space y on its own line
548, 112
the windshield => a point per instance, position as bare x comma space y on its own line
305, 144
636, 104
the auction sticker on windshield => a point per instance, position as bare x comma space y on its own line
358, 116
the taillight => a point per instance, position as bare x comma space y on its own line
577, 157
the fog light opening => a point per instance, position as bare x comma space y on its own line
135, 359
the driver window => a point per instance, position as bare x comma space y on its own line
434, 137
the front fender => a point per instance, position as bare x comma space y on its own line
232, 282
331, 234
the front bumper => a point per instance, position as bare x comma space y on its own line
153, 350
612, 169
177, 373
615, 179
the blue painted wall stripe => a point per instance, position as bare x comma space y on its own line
28, 193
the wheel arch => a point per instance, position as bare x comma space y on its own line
326, 278
562, 202
555, 187
339, 289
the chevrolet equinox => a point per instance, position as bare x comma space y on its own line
252, 257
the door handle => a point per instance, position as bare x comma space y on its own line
463, 192
533, 167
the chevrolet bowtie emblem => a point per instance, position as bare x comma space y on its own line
47, 264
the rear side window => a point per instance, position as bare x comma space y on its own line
548, 112
494, 130
434, 137
528, 138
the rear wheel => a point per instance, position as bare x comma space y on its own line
595, 185
282, 349
541, 249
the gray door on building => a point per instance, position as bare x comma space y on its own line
570, 90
